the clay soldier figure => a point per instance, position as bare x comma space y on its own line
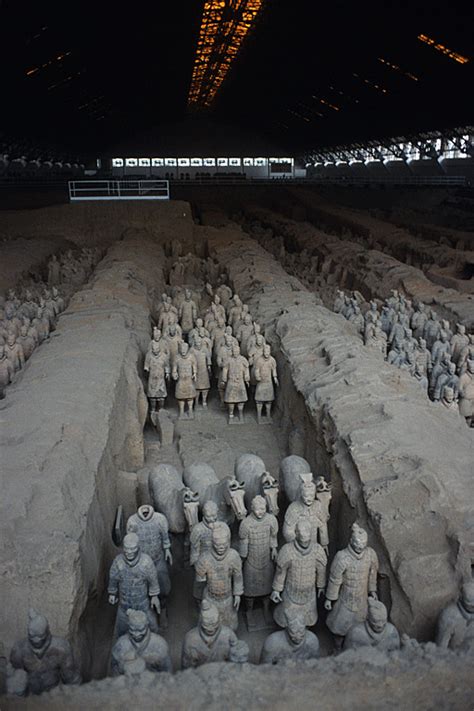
26, 342
201, 540
203, 370
133, 583
195, 331
353, 578
54, 271
224, 292
255, 352
423, 357
448, 400
235, 311
29, 307
431, 329
6, 371
376, 631
449, 378
47, 660
217, 333
294, 642
14, 353
146, 644
220, 310
357, 319
221, 570
59, 301
158, 338
458, 342
185, 373
224, 354
173, 340
418, 320
455, 628
300, 570
257, 331
420, 377
467, 353
166, 315
210, 641
308, 508
243, 334
440, 347
152, 530
466, 393
157, 365
338, 301
236, 376
258, 541
187, 313
41, 323
265, 370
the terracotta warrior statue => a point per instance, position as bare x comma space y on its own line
6, 371
47, 660
455, 628
221, 570
258, 542
243, 334
133, 583
210, 641
236, 376
203, 359
376, 631
309, 508
14, 353
300, 571
27, 342
294, 642
353, 578
265, 371
466, 393
152, 530
173, 340
157, 365
187, 312
147, 645
201, 540
448, 400
459, 341
185, 373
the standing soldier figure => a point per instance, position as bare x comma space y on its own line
157, 365
258, 534
203, 369
236, 376
152, 530
133, 583
201, 540
353, 578
300, 571
184, 372
265, 369
187, 313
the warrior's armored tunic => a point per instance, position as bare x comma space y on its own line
153, 535
317, 516
223, 578
257, 539
134, 584
185, 369
265, 372
299, 572
158, 367
362, 635
278, 647
199, 648
235, 374
153, 650
353, 576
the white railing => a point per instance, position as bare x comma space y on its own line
118, 190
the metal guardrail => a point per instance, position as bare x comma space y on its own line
118, 190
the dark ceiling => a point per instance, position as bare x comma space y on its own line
310, 74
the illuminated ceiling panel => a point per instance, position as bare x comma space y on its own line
224, 26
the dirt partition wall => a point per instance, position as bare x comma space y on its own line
71, 422
399, 464
370, 271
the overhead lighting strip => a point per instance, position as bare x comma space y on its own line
224, 26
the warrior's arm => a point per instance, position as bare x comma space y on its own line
373, 571
243, 540
114, 579
335, 577
280, 574
237, 578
